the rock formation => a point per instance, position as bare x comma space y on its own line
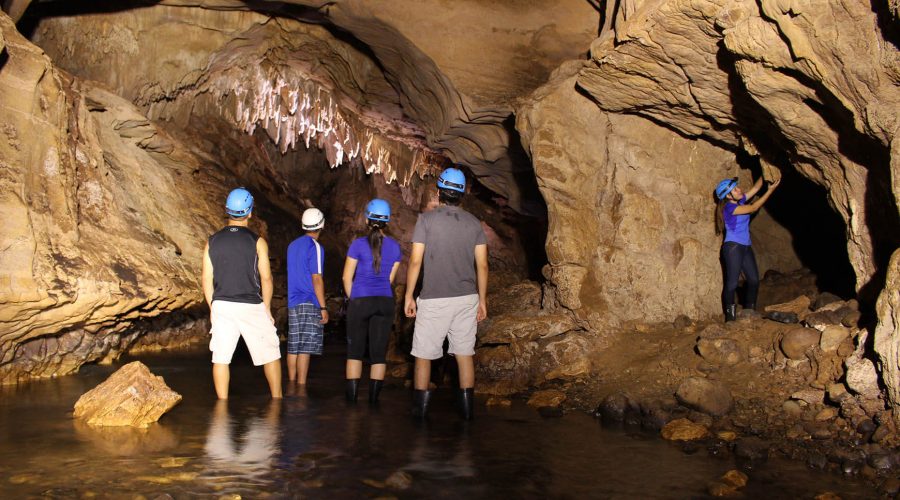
132, 396
119, 144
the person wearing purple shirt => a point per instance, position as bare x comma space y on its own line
369, 271
733, 218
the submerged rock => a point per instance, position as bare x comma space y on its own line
682, 429
549, 398
130, 396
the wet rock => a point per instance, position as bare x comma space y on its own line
735, 478
720, 489
816, 460
862, 378
721, 351
782, 317
399, 480
825, 299
797, 340
727, 436
654, 416
880, 461
614, 407
498, 401
752, 449
130, 396
547, 398
828, 495
704, 395
683, 429
551, 412
832, 337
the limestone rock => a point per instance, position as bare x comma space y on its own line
827, 301
548, 398
823, 319
513, 328
704, 395
832, 337
809, 396
862, 378
798, 306
797, 340
565, 357
682, 429
130, 396
721, 351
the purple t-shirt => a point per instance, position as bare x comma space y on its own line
737, 227
366, 282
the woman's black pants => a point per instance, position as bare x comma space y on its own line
737, 258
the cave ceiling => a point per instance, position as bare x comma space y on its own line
410, 81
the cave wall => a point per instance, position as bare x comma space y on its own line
104, 218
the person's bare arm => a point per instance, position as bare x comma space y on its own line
412, 277
394, 271
347, 277
756, 205
750, 193
207, 276
481, 273
319, 289
265, 275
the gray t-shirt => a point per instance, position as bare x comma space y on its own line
450, 235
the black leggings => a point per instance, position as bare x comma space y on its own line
369, 319
737, 258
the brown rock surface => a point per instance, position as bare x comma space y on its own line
132, 396
548, 398
682, 429
797, 340
704, 395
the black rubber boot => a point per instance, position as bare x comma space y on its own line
420, 403
352, 389
466, 403
730, 313
374, 390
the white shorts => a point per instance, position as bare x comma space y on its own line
233, 320
437, 319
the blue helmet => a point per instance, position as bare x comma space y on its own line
378, 210
452, 178
239, 203
725, 187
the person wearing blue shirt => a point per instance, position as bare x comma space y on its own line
307, 314
369, 271
733, 218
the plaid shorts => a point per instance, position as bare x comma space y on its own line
304, 330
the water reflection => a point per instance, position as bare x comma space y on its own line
242, 450
127, 441
442, 457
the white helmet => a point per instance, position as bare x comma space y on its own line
313, 219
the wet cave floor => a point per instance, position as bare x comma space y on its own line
318, 446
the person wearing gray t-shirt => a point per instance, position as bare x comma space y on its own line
452, 245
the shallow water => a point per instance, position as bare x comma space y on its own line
318, 446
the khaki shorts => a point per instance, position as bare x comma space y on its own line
233, 320
452, 318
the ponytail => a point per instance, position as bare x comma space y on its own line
720, 216
376, 236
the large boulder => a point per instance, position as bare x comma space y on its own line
721, 351
797, 340
704, 395
130, 396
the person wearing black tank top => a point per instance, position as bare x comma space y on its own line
237, 284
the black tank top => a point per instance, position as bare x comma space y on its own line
232, 251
